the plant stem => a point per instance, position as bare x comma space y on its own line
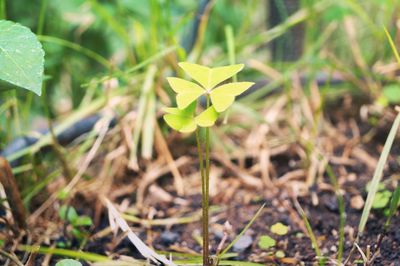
203, 200
3, 9
206, 195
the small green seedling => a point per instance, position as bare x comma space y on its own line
69, 214
182, 118
280, 254
185, 118
279, 229
382, 197
266, 242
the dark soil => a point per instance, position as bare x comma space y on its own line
239, 206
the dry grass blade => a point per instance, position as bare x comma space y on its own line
116, 221
378, 175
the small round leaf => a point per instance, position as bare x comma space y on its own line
279, 229
266, 242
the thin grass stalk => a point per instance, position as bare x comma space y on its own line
375, 183
82, 255
310, 232
221, 255
342, 214
12, 257
378, 175
78, 48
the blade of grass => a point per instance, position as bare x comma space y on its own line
311, 235
149, 126
242, 232
135, 68
377, 176
379, 169
87, 256
115, 25
392, 45
141, 114
89, 53
342, 214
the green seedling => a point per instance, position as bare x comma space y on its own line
279, 229
69, 215
266, 242
382, 198
185, 118
280, 254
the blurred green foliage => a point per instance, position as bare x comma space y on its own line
121, 34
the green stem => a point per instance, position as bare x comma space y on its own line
203, 200
3, 9
42, 15
207, 181
342, 214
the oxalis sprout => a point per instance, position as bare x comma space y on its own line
185, 118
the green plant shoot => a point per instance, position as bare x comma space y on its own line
182, 118
185, 119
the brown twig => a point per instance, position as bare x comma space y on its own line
13, 196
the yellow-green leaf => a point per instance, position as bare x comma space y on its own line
207, 118
279, 229
223, 96
181, 120
210, 77
187, 92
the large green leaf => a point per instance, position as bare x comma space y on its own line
21, 57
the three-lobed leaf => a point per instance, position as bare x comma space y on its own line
21, 58
182, 118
